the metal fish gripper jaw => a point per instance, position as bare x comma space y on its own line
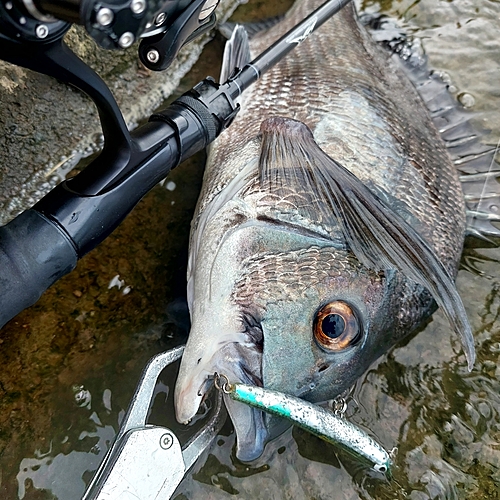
147, 462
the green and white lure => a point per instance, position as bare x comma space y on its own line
312, 418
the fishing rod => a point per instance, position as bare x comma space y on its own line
44, 243
279, 49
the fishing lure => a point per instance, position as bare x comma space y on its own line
312, 418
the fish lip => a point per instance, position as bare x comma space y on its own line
187, 401
250, 439
241, 362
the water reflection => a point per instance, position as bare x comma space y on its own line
421, 399
61, 473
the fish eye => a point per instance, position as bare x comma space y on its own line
335, 326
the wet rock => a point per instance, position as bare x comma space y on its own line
466, 100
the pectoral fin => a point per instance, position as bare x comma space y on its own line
375, 233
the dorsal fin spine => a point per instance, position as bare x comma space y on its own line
236, 53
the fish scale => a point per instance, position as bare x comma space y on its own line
287, 270
414, 183
266, 251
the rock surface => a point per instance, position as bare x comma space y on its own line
47, 127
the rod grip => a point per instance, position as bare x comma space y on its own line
34, 253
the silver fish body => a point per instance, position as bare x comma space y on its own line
280, 293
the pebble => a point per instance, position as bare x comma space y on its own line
466, 100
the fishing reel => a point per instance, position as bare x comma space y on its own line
164, 25
32, 31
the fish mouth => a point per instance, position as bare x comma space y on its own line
240, 363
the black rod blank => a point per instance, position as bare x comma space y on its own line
263, 62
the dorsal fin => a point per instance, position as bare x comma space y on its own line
475, 160
236, 53
379, 238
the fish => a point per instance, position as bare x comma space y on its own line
329, 226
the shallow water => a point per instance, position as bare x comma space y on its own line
71, 362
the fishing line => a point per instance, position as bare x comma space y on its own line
483, 196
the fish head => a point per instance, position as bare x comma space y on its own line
286, 312
324, 327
